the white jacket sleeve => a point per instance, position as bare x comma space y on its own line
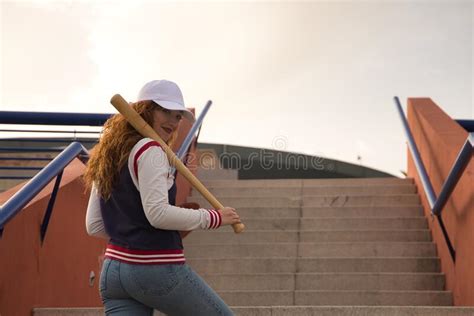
153, 184
94, 222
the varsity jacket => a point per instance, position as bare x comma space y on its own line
140, 223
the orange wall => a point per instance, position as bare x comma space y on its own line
439, 140
55, 274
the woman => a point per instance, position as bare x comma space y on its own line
144, 266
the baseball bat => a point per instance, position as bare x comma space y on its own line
146, 130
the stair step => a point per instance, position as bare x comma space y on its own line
240, 202
366, 236
70, 311
268, 236
351, 211
394, 310
6, 184
318, 190
293, 265
361, 200
390, 189
337, 298
326, 281
353, 311
19, 173
306, 182
305, 250
316, 201
362, 249
361, 211
377, 298
355, 223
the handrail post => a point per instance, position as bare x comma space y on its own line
187, 141
49, 209
461, 162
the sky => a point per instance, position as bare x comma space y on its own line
313, 77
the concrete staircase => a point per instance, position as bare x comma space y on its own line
321, 242
319, 247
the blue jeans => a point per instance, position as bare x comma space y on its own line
174, 289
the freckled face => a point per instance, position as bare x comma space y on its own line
165, 122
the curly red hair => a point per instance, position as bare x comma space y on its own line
111, 153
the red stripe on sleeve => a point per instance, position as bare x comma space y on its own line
217, 219
141, 151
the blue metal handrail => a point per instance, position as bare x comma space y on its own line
51, 140
53, 118
416, 157
437, 203
55, 168
189, 138
21, 198
30, 149
46, 131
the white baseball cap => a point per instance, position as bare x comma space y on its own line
167, 95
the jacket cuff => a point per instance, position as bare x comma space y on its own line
215, 219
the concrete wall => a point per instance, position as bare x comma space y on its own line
55, 273
439, 140
259, 163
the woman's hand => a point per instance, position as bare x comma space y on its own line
229, 216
